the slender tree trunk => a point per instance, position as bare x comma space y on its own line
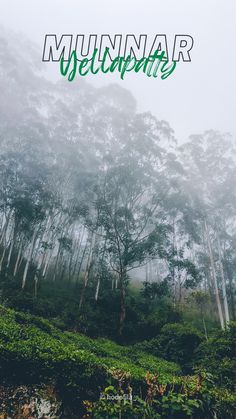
180, 292
87, 271
231, 289
10, 253
47, 260
14, 230
78, 253
97, 288
225, 300
99, 273
21, 259
146, 272
3, 240
173, 268
204, 323
81, 263
2, 258
29, 258
218, 302
57, 261
35, 286
18, 259
151, 271
122, 301
208, 282
205, 329
5, 228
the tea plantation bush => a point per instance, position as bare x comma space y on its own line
33, 351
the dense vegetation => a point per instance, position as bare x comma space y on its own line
117, 254
79, 368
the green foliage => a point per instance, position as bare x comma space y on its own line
60, 303
176, 342
218, 356
32, 350
154, 290
194, 399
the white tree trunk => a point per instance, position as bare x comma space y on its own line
97, 288
218, 302
2, 258
18, 259
29, 258
10, 252
225, 300
87, 270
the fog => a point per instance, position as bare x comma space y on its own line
199, 96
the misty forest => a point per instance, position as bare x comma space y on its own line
117, 254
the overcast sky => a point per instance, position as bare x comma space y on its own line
199, 95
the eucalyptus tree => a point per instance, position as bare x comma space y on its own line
210, 165
129, 202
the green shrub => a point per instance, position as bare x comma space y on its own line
177, 343
193, 400
218, 356
31, 347
33, 351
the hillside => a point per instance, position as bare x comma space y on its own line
43, 369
